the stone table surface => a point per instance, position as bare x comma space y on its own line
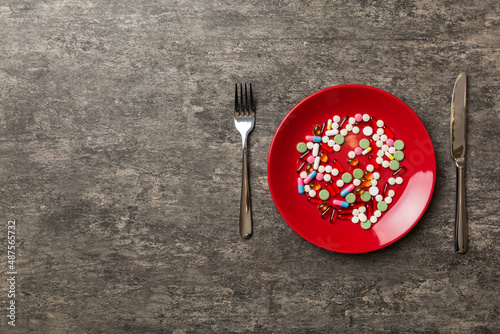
121, 167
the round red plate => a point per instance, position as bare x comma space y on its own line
412, 197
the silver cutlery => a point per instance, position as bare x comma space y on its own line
458, 141
244, 120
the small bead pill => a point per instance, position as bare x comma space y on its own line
391, 181
380, 153
385, 148
349, 127
370, 168
351, 154
377, 213
327, 177
391, 193
312, 193
355, 130
362, 209
380, 132
344, 132
388, 200
376, 175
376, 137
335, 126
385, 164
352, 120
367, 131
373, 219
336, 118
362, 217
310, 145
379, 198
399, 180
355, 220
380, 123
366, 117
340, 183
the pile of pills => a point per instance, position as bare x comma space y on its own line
353, 189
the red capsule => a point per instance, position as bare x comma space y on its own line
374, 162
301, 166
325, 213
346, 216
333, 215
323, 127
386, 189
328, 186
373, 122
327, 148
369, 211
373, 146
400, 171
305, 154
334, 186
338, 166
314, 200
388, 132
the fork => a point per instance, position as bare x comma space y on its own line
244, 120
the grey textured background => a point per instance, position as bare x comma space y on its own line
121, 165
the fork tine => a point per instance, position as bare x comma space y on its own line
246, 101
242, 106
236, 113
252, 106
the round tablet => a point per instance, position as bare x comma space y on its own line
358, 173
346, 177
366, 224
399, 145
364, 143
301, 147
398, 155
394, 165
339, 139
382, 206
365, 197
367, 131
373, 191
350, 198
324, 194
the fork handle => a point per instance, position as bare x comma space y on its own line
460, 219
245, 209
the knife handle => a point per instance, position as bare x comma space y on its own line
460, 219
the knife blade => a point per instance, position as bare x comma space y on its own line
458, 144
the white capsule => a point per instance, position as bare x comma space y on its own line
365, 152
373, 219
356, 182
343, 132
331, 143
383, 138
325, 139
355, 130
373, 191
335, 126
385, 164
340, 183
379, 198
329, 122
362, 217
335, 172
388, 200
380, 131
379, 160
362, 209
370, 168
379, 143
380, 123
380, 153
332, 133
376, 175
352, 120
391, 193
327, 177
376, 137
336, 147
367, 131
391, 181
392, 150
399, 180
385, 148
312, 193
355, 220
351, 154
317, 160
303, 174
355, 212
366, 117
321, 169
377, 213
307, 188
315, 151
336, 118
348, 127
328, 169
374, 182
310, 145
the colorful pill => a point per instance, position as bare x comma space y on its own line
327, 147
329, 125
334, 215
338, 165
365, 152
390, 156
300, 184
310, 159
358, 151
388, 132
347, 190
317, 130
343, 204
358, 117
320, 176
310, 177
315, 139
390, 142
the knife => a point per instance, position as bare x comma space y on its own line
458, 139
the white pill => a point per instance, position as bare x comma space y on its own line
355, 130
336, 147
379, 143
367, 131
317, 160
380, 123
385, 148
355, 212
379, 198
321, 169
355, 220
370, 168
307, 188
374, 182
376, 137
328, 169
380, 131
312, 193
325, 139
366, 117
373, 219
356, 182
362, 217
380, 153
335, 126
331, 142
351, 154
352, 120
388, 200
329, 122
332, 133
392, 150
385, 164
399, 180
310, 145
349, 127
379, 160
327, 177
315, 151
336, 118
391, 193
373, 191
343, 132
392, 181
340, 183
303, 174
387, 154
362, 209
335, 172
376, 175
383, 138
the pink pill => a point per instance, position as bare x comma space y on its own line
310, 159
358, 117
390, 142
319, 176
358, 150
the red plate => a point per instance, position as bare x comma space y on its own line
412, 197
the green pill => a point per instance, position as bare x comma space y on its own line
350, 198
398, 155
358, 173
339, 139
366, 224
346, 177
399, 145
324, 194
366, 196
382, 206
394, 165
301, 147
364, 143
